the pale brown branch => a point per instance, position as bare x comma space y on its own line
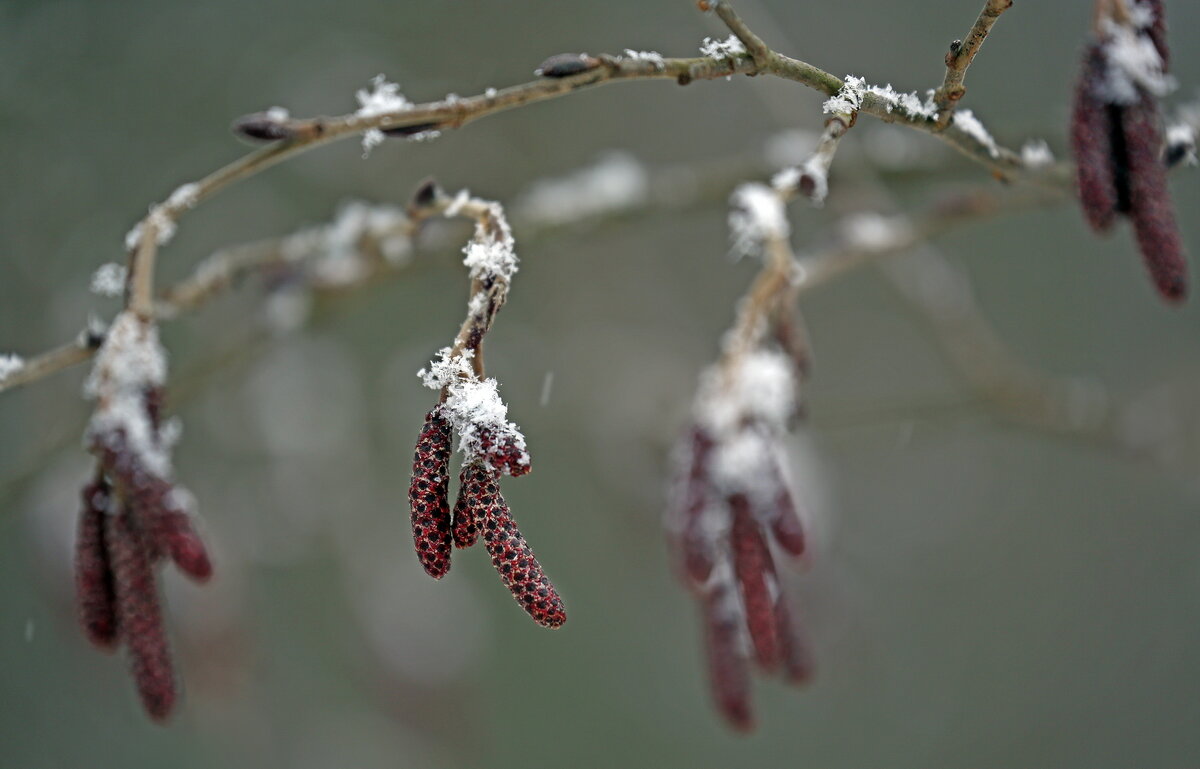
959, 58
758, 50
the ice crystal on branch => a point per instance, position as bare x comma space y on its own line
109, 280
756, 216
9, 365
730, 48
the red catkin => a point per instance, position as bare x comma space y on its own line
175, 536
691, 498
518, 568
1151, 211
757, 581
139, 616
478, 489
797, 656
1092, 135
427, 495
728, 671
94, 590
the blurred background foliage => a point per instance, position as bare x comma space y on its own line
982, 595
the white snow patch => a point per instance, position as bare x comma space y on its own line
472, 405
109, 279
9, 365
616, 182
1036, 153
969, 124
129, 363
756, 215
730, 48
874, 232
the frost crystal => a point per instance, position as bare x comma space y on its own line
384, 97
1133, 61
847, 100
278, 114
966, 120
616, 182
472, 406
730, 48
9, 365
109, 280
1035, 153
854, 90
490, 252
128, 366
164, 229
760, 388
756, 215
653, 57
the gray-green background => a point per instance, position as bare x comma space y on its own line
982, 595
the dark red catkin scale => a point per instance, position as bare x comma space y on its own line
1092, 141
427, 495
754, 571
1151, 211
94, 590
478, 488
139, 616
728, 671
518, 568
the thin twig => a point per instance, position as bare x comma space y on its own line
959, 58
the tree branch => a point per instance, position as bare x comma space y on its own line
959, 58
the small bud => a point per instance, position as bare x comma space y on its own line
566, 64
427, 495
518, 568
427, 194
263, 127
412, 130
